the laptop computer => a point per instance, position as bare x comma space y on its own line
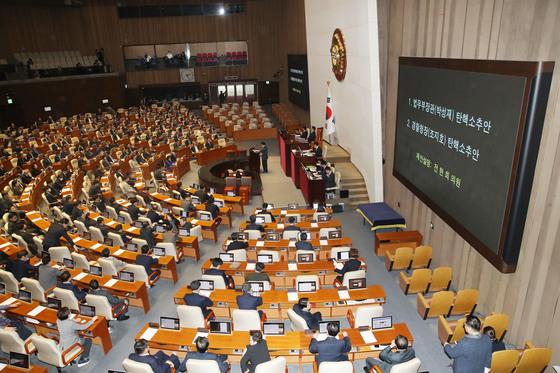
184, 232
159, 251
131, 247
383, 322
307, 287
242, 236
273, 328
126, 276
160, 229
343, 255
226, 257
120, 219
292, 206
356, 283
205, 217
305, 258
206, 285
259, 220
230, 193
108, 241
256, 286
24, 296
220, 327
138, 224
86, 310
323, 217
54, 303
19, 360
170, 323
264, 258
165, 210
273, 236
68, 263
95, 270
335, 234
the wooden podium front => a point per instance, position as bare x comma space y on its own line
390, 241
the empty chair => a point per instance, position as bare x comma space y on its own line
112, 212
290, 235
96, 234
363, 315
450, 330
21, 243
411, 366
131, 366
140, 274
11, 342
533, 359
253, 234
116, 238
67, 298
192, 317
401, 259
141, 200
48, 352
306, 278
170, 249
80, 261
441, 279
246, 320
139, 242
504, 361
177, 210
336, 366
465, 302
103, 307
298, 323
196, 231
59, 253
36, 289
12, 285
276, 365
439, 304
417, 283
219, 282
351, 276
202, 366
422, 257
107, 267
126, 216
82, 229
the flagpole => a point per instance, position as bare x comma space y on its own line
326, 127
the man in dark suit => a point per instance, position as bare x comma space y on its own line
153, 215
195, 299
264, 156
203, 354
473, 353
212, 209
292, 225
253, 225
216, 262
332, 348
235, 244
318, 152
258, 275
160, 362
303, 244
99, 224
256, 353
133, 210
329, 177
54, 233
146, 261
303, 309
497, 345
312, 135
147, 234
65, 283
248, 301
353, 264
21, 267
398, 352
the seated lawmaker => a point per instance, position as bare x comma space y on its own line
329, 177
65, 283
119, 306
497, 345
21, 267
292, 225
198, 300
258, 275
332, 348
160, 362
248, 301
236, 244
303, 244
352, 264
253, 225
256, 352
396, 353
212, 209
203, 354
215, 264
145, 259
303, 309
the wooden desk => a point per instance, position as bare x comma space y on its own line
313, 189
279, 272
276, 303
280, 214
297, 160
255, 134
166, 264
209, 156
292, 345
32, 369
236, 203
313, 228
45, 322
9, 248
136, 292
390, 241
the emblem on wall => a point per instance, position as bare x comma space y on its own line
338, 55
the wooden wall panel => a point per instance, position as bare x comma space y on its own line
486, 29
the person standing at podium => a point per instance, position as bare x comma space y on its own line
264, 156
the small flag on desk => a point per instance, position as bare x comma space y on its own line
329, 118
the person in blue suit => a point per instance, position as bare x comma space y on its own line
203, 354
217, 262
248, 301
303, 308
65, 283
332, 348
473, 353
195, 299
160, 362
146, 261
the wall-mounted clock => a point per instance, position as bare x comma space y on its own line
338, 55
187, 75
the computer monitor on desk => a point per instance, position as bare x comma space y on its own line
273, 328
169, 323
307, 287
227, 257
126, 276
305, 258
335, 234
86, 310
383, 322
256, 286
264, 258
206, 285
96, 270
220, 327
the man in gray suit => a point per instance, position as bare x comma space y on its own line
48, 275
264, 156
398, 352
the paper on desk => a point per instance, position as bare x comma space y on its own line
80, 276
194, 221
130, 229
96, 246
343, 294
5, 244
149, 333
205, 293
283, 212
168, 199
368, 336
250, 266
198, 334
110, 283
36, 219
112, 223
323, 242
292, 244
8, 301
119, 252
292, 266
293, 296
260, 244
77, 239
35, 311
280, 226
